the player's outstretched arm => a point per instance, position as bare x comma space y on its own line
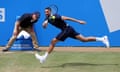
73, 19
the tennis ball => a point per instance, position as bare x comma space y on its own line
53, 17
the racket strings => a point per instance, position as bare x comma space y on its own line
54, 9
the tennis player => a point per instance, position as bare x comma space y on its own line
66, 31
26, 23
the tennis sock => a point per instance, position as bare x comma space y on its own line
99, 38
46, 54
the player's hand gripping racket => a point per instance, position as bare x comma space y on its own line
54, 9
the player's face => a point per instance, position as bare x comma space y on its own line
47, 12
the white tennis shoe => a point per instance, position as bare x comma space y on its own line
40, 58
106, 41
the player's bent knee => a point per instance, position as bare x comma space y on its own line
54, 41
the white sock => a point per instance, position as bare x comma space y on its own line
99, 38
46, 54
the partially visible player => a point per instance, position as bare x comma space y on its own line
26, 23
66, 31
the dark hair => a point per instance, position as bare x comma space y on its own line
48, 8
37, 13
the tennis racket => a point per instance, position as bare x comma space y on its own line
54, 9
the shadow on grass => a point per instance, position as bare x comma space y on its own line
77, 64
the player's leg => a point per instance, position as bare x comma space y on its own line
80, 37
50, 49
103, 39
60, 37
52, 45
85, 39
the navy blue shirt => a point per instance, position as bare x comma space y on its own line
57, 21
26, 20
